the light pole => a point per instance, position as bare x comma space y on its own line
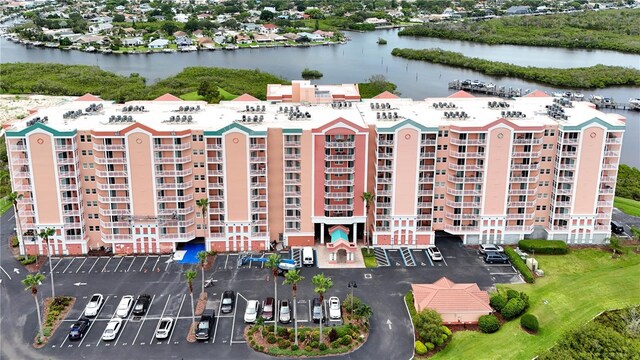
352, 285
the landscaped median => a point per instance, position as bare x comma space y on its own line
369, 258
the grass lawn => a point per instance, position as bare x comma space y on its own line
194, 95
369, 258
4, 205
627, 206
575, 289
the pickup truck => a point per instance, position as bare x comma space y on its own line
203, 331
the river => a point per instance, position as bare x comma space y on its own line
357, 60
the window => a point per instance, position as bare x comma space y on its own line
90, 152
84, 165
84, 152
546, 132
82, 138
93, 178
95, 203
197, 190
93, 191
552, 133
201, 189
194, 137
200, 137
88, 203
87, 191
201, 151
86, 178
90, 165
90, 216
538, 207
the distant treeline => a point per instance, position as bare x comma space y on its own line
617, 30
597, 76
628, 182
77, 80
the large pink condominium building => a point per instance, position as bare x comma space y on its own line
147, 176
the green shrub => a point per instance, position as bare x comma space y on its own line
270, 328
525, 298
265, 332
513, 309
314, 344
420, 348
336, 344
332, 335
530, 322
250, 337
429, 346
294, 347
301, 336
342, 331
283, 332
252, 343
292, 337
283, 344
408, 298
271, 339
311, 74
322, 347
14, 241
512, 294
46, 331
497, 301
446, 330
550, 247
520, 265
29, 259
308, 348
346, 340
488, 324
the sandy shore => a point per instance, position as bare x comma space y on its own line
16, 107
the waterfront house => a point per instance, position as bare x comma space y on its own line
198, 33
260, 38
100, 28
90, 39
251, 27
518, 10
159, 44
183, 41
291, 36
242, 39
310, 36
268, 29
376, 21
324, 34
178, 34
206, 43
277, 37
134, 41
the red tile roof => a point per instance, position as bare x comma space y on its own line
167, 97
88, 97
445, 296
537, 93
269, 26
245, 97
461, 94
386, 95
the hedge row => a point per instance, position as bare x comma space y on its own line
519, 265
551, 247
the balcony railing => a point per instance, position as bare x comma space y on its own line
602, 215
384, 155
258, 146
427, 167
172, 173
534, 141
292, 143
292, 156
383, 205
611, 179
287, 194
605, 203
104, 161
523, 179
469, 155
214, 146
423, 228
425, 192
383, 217
612, 153
215, 185
613, 140
104, 174
564, 140
566, 166
568, 179
259, 159
390, 192
525, 166
525, 228
215, 159
428, 142
112, 186
114, 224
466, 167
23, 187
175, 236
258, 172
172, 160
457, 141
382, 228
385, 142
339, 144
609, 166
113, 199
524, 216
172, 186
339, 170
66, 147
468, 192
348, 207
70, 200
179, 223
455, 228
459, 204
21, 175
19, 161
525, 154
73, 237
380, 180
71, 212
217, 198
18, 147
522, 192
427, 154
292, 218
339, 195
261, 210
562, 204
184, 198
215, 172
515, 204
292, 169
115, 237
67, 161
606, 191
564, 191
109, 212
259, 185
172, 147
260, 235
112, 147
293, 181
425, 179
290, 206
467, 179
568, 153
425, 205
462, 216
69, 187
602, 228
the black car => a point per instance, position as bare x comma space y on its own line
79, 328
492, 257
228, 299
203, 331
142, 304
318, 311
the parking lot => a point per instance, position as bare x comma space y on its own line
111, 264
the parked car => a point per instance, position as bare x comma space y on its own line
203, 331
334, 308
124, 307
318, 312
112, 330
164, 328
484, 248
79, 328
617, 228
94, 305
142, 304
228, 300
284, 313
434, 253
495, 257
251, 313
268, 308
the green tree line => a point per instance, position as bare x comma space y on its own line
597, 76
617, 30
628, 182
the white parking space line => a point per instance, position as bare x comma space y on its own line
94, 264
225, 261
144, 319
155, 266
175, 322
56, 265
215, 331
126, 321
132, 261
145, 261
113, 316
105, 265
120, 262
68, 266
444, 261
233, 324
153, 336
169, 261
310, 317
5, 272
83, 261
429, 258
94, 320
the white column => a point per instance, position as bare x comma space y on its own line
355, 232
322, 233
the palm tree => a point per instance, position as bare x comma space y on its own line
364, 311
31, 282
203, 204
13, 198
293, 277
45, 234
368, 198
190, 275
272, 263
322, 284
202, 259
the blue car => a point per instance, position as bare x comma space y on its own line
79, 328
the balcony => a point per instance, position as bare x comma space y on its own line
339, 144
69, 187
457, 141
602, 228
382, 228
612, 153
610, 166
524, 216
390, 192
454, 228
613, 140
172, 173
428, 142
522, 179
173, 186
19, 161
261, 159
532, 167
105, 161
259, 197
462, 216
460, 204
18, 147
172, 160
562, 204
259, 185
339, 195
69, 200
72, 225
385, 142
66, 147
566, 166
260, 235
468, 155
73, 237
115, 237
114, 224
515, 204
260, 210
112, 147
425, 192
466, 167
425, 179
70, 212
524, 154
469, 192
423, 228
383, 205
603, 215
567, 179
258, 146
110, 212
290, 206
287, 194
259, 222
568, 153
522, 228
215, 185
467, 179
104, 174
295, 156
564, 191
215, 172
609, 179
216, 210
561, 215
606, 191
563, 140
23, 187
605, 203
425, 205
214, 146
258, 172
292, 218
216, 223
292, 169
346, 207
175, 198
176, 236
172, 147
113, 199
385, 155
67, 161
112, 186
427, 155
427, 167
383, 217
523, 141
179, 223
21, 175
522, 192
215, 160
380, 180
291, 143
339, 170
294, 181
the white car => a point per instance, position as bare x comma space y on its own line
434, 253
164, 328
112, 330
334, 307
94, 305
251, 313
125, 306
490, 247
